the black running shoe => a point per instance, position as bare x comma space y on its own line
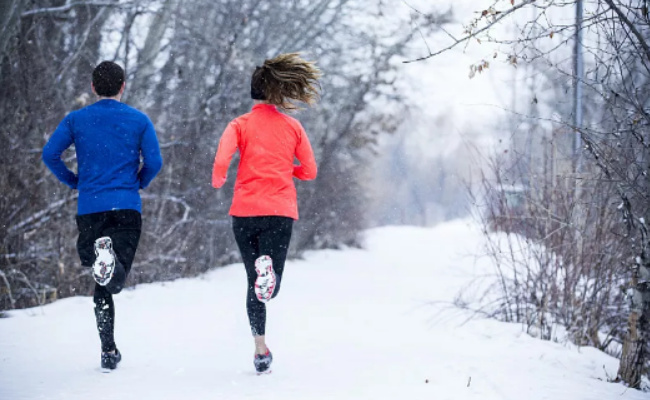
263, 362
110, 360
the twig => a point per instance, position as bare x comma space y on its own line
12, 301
68, 7
498, 19
52, 207
635, 31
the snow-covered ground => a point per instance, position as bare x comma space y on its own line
353, 324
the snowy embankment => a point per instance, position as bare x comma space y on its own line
352, 324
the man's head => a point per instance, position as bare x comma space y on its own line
108, 79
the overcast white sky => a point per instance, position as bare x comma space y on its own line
441, 85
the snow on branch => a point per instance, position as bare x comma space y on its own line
41, 214
68, 7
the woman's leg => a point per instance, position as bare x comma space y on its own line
274, 242
246, 230
256, 237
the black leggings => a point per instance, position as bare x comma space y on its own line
123, 227
259, 236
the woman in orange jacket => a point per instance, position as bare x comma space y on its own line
264, 203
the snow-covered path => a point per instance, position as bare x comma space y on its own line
352, 324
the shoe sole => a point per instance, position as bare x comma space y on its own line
107, 369
268, 363
104, 265
265, 279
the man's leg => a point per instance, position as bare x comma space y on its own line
105, 316
91, 227
124, 228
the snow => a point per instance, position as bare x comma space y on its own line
349, 324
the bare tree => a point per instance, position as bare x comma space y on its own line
615, 138
188, 66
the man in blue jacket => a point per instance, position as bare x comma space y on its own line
110, 139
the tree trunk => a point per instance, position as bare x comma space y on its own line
9, 18
146, 68
634, 356
634, 350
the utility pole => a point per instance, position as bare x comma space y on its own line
578, 218
579, 73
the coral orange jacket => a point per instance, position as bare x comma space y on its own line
268, 141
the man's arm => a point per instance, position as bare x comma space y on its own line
61, 139
152, 159
227, 148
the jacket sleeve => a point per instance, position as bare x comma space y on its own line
152, 159
228, 145
60, 140
307, 169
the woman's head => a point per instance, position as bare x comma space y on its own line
284, 78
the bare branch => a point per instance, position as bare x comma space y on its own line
42, 214
70, 6
631, 26
464, 39
12, 301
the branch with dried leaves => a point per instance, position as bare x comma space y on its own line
498, 17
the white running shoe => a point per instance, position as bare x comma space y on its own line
265, 282
104, 265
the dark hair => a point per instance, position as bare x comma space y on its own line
286, 77
108, 78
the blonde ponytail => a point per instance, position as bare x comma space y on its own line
284, 78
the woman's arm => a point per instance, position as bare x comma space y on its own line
227, 148
307, 169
